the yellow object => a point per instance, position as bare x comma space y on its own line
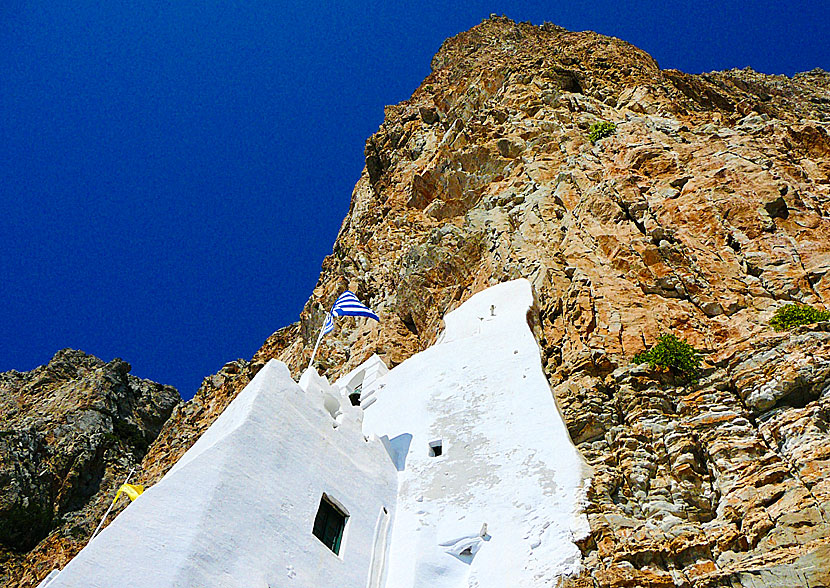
131, 490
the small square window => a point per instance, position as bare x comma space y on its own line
436, 448
329, 524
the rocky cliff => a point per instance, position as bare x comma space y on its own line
706, 210
71, 432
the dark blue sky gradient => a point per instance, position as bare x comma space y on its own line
173, 173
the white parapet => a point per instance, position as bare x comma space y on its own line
239, 507
490, 485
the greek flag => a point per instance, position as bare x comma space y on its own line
348, 305
328, 326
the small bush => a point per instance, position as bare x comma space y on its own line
673, 354
601, 130
791, 316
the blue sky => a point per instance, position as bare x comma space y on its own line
173, 173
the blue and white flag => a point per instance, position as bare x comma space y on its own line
328, 325
347, 304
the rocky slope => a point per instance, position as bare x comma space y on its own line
707, 209
71, 432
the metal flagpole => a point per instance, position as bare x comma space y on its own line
316, 345
98, 528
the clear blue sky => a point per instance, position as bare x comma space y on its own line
173, 173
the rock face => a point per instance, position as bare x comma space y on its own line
706, 210
71, 432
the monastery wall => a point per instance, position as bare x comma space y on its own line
456, 470
490, 485
239, 507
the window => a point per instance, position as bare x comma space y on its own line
329, 524
436, 448
354, 397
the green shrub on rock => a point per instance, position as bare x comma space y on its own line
791, 316
672, 354
601, 130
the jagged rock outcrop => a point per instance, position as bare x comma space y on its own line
706, 210
71, 432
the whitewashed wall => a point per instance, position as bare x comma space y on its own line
502, 506
238, 508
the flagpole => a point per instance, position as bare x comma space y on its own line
98, 528
316, 345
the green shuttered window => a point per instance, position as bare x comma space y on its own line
329, 524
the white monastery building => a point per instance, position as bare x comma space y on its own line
452, 470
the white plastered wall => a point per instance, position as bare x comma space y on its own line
502, 505
238, 508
